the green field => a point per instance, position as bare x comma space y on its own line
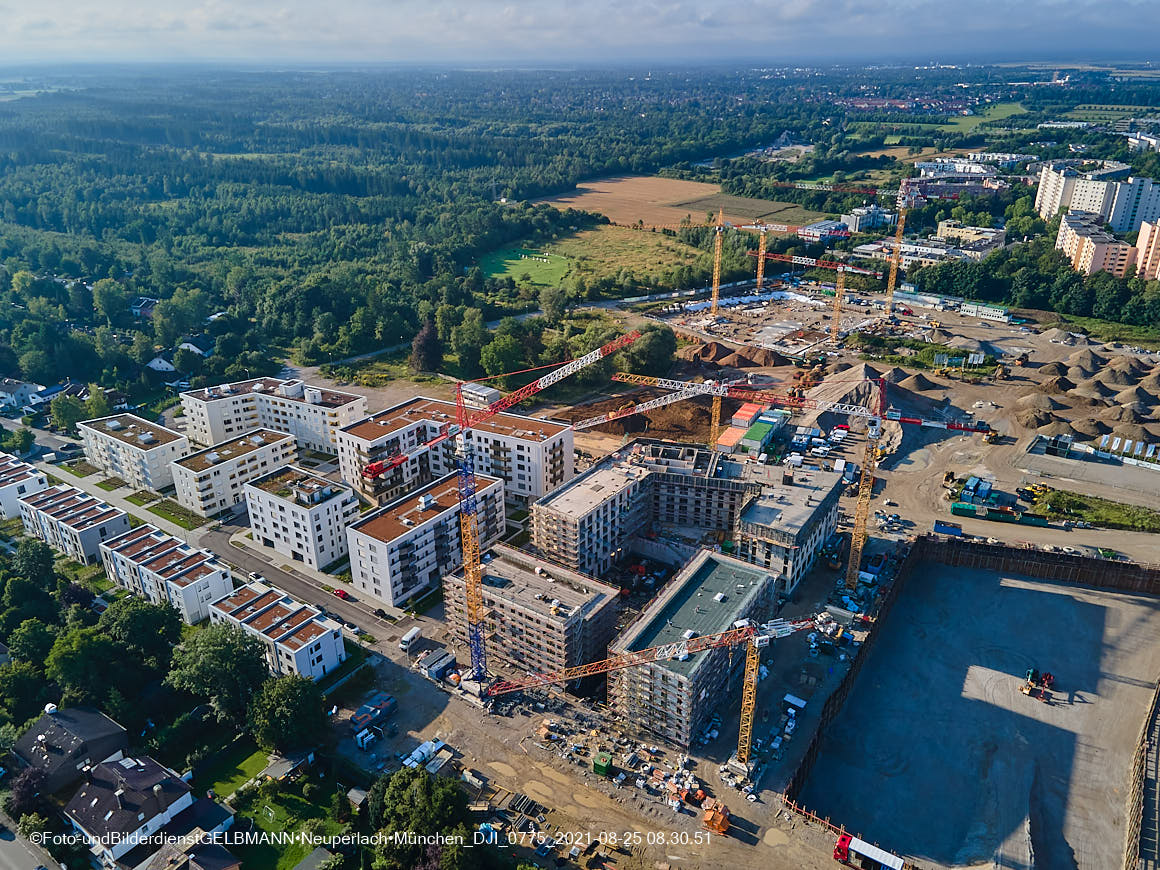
1063, 505
606, 250
232, 769
175, 513
997, 112
525, 266
1104, 112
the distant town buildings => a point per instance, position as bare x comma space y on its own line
72, 522
1122, 204
298, 638
301, 515
137, 451
1143, 142
868, 217
311, 414
404, 549
211, 481
1090, 247
159, 567
823, 231
1002, 159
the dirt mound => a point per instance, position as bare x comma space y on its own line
1057, 427
1129, 365
1078, 373
1091, 428
713, 352
1053, 370
939, 336
1038, 402
1094, 388
1029, 418
964, 343
1055, 386
1059, 336
736, 361
920, 383
1132, 431
895, 375
1135, 396
1086, 359
1114, 377
1151, 381
1078, 401
1120, 414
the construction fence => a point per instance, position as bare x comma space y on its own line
1121, 576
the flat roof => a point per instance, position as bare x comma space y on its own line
759, 431
276, 615
132, 430
235, 448
731, 436
13, 471
168, 557
688, 604
71, 507
387, 523
439, 413
327, 398
291, 481
788, 508
510, 574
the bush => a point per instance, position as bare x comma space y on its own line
310, 791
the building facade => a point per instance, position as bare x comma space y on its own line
165, 570
1122, 204
72, 522
1091, 248
137, 451
772, 518
676, 697
539, 616
298, 638
530, 455
301, 515
868, 217
1148, 251
18, 479
404, 549
311, 414
212, 481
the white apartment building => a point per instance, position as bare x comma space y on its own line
531, 456
1148, 251
868, 217
135, 450
301, 515
165, 570
18, 479
925, 253
1090, 247
72, 522
311, 414
211, 481
298, 638
403, 550
1123, 205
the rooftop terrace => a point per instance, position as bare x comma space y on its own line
439, 413
134, 431
235, 448
398, 517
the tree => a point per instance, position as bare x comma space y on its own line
34, 561
18, 442
25, 797
36, 366
66, 412
287, 714
31, 641
500, 355
110, 300
98, 403
22, 690
81, 662
224, 665
426, 349
32, 824
148, 631
554, 304
653, 352
468, 339
186, 361
413, 800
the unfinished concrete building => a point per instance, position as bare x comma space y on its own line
690, 496
673, 699
540, 616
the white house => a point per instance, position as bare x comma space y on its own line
211, 481
72, 522
135, 450
18, 479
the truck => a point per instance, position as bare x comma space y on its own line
941, 527
408, 639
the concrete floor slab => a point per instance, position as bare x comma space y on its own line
938, 755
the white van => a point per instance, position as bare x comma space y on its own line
409, 638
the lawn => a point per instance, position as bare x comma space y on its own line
11, 529
380, 371
288, 811
142, 498
79, 468
92, 577
111, 483
1104, 330
1060, 504
606, 250
231, 769
175, 513
996, 112
525, 266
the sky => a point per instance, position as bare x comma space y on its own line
570, 31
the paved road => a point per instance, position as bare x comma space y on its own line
17, 854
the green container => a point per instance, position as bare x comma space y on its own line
602, 764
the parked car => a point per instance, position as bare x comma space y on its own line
343, 594
254, 575
380, 613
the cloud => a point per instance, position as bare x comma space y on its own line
623, 31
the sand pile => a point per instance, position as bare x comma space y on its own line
1091, 428
1135, 396
1038, 402
1086, 359
1078, 373
1094, 388
1120, 414
1053, 370
1133, 431
1059, 336
1030, 418
919, 383
1114, 377
736, 361
1129, 365
1151, 381
964, 343
939, 336
895, 375
1055, 386
1057, 427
